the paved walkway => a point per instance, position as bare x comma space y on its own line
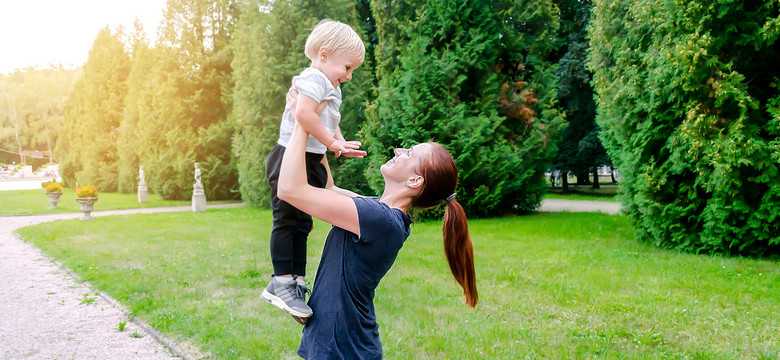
555, 205
28, 183
43, 314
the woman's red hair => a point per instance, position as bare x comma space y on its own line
440, 178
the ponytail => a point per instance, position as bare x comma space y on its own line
440, 176
459, 251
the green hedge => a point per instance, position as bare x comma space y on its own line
690, 112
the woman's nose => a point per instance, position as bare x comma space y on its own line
397, 151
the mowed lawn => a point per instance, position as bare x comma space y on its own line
35, 202
551, 286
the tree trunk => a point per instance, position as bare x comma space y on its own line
596, 178
583, 178
15, 119
48, 143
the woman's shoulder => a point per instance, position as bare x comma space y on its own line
375, 213
373, 202
380, 221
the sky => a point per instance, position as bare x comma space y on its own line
43, 32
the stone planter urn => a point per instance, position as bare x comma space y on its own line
87, 205
54, 198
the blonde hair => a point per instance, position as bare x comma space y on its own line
334, 36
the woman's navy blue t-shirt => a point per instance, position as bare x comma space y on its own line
343, 325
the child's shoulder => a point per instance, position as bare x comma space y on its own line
312, 75
310, 71
315, 80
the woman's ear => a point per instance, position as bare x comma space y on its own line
415, 182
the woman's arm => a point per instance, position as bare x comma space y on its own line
324, 204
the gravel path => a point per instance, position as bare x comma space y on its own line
555, 205
43, 312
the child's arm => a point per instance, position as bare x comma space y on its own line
306, 113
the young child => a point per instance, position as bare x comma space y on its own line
335, 51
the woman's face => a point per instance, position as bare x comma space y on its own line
405, 162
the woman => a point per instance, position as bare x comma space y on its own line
365, 239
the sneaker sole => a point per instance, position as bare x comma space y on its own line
300, 320
276, 301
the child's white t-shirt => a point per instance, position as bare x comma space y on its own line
314, 84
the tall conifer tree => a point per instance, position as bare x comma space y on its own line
579, 147
474, 76
89, 154
140, 87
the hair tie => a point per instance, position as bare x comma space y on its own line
451, 197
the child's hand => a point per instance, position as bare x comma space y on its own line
346, 148
355, 151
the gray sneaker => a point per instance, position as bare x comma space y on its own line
288, 297
303, 290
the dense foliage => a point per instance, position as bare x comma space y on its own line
690, 112
269, 51
479, 77
474, 77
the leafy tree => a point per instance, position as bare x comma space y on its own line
579, 148
140, 92
475, 77
89, 151
12, 125
690, 112
269, 51
32, 107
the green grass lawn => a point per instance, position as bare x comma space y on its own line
551, 286
34, 202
